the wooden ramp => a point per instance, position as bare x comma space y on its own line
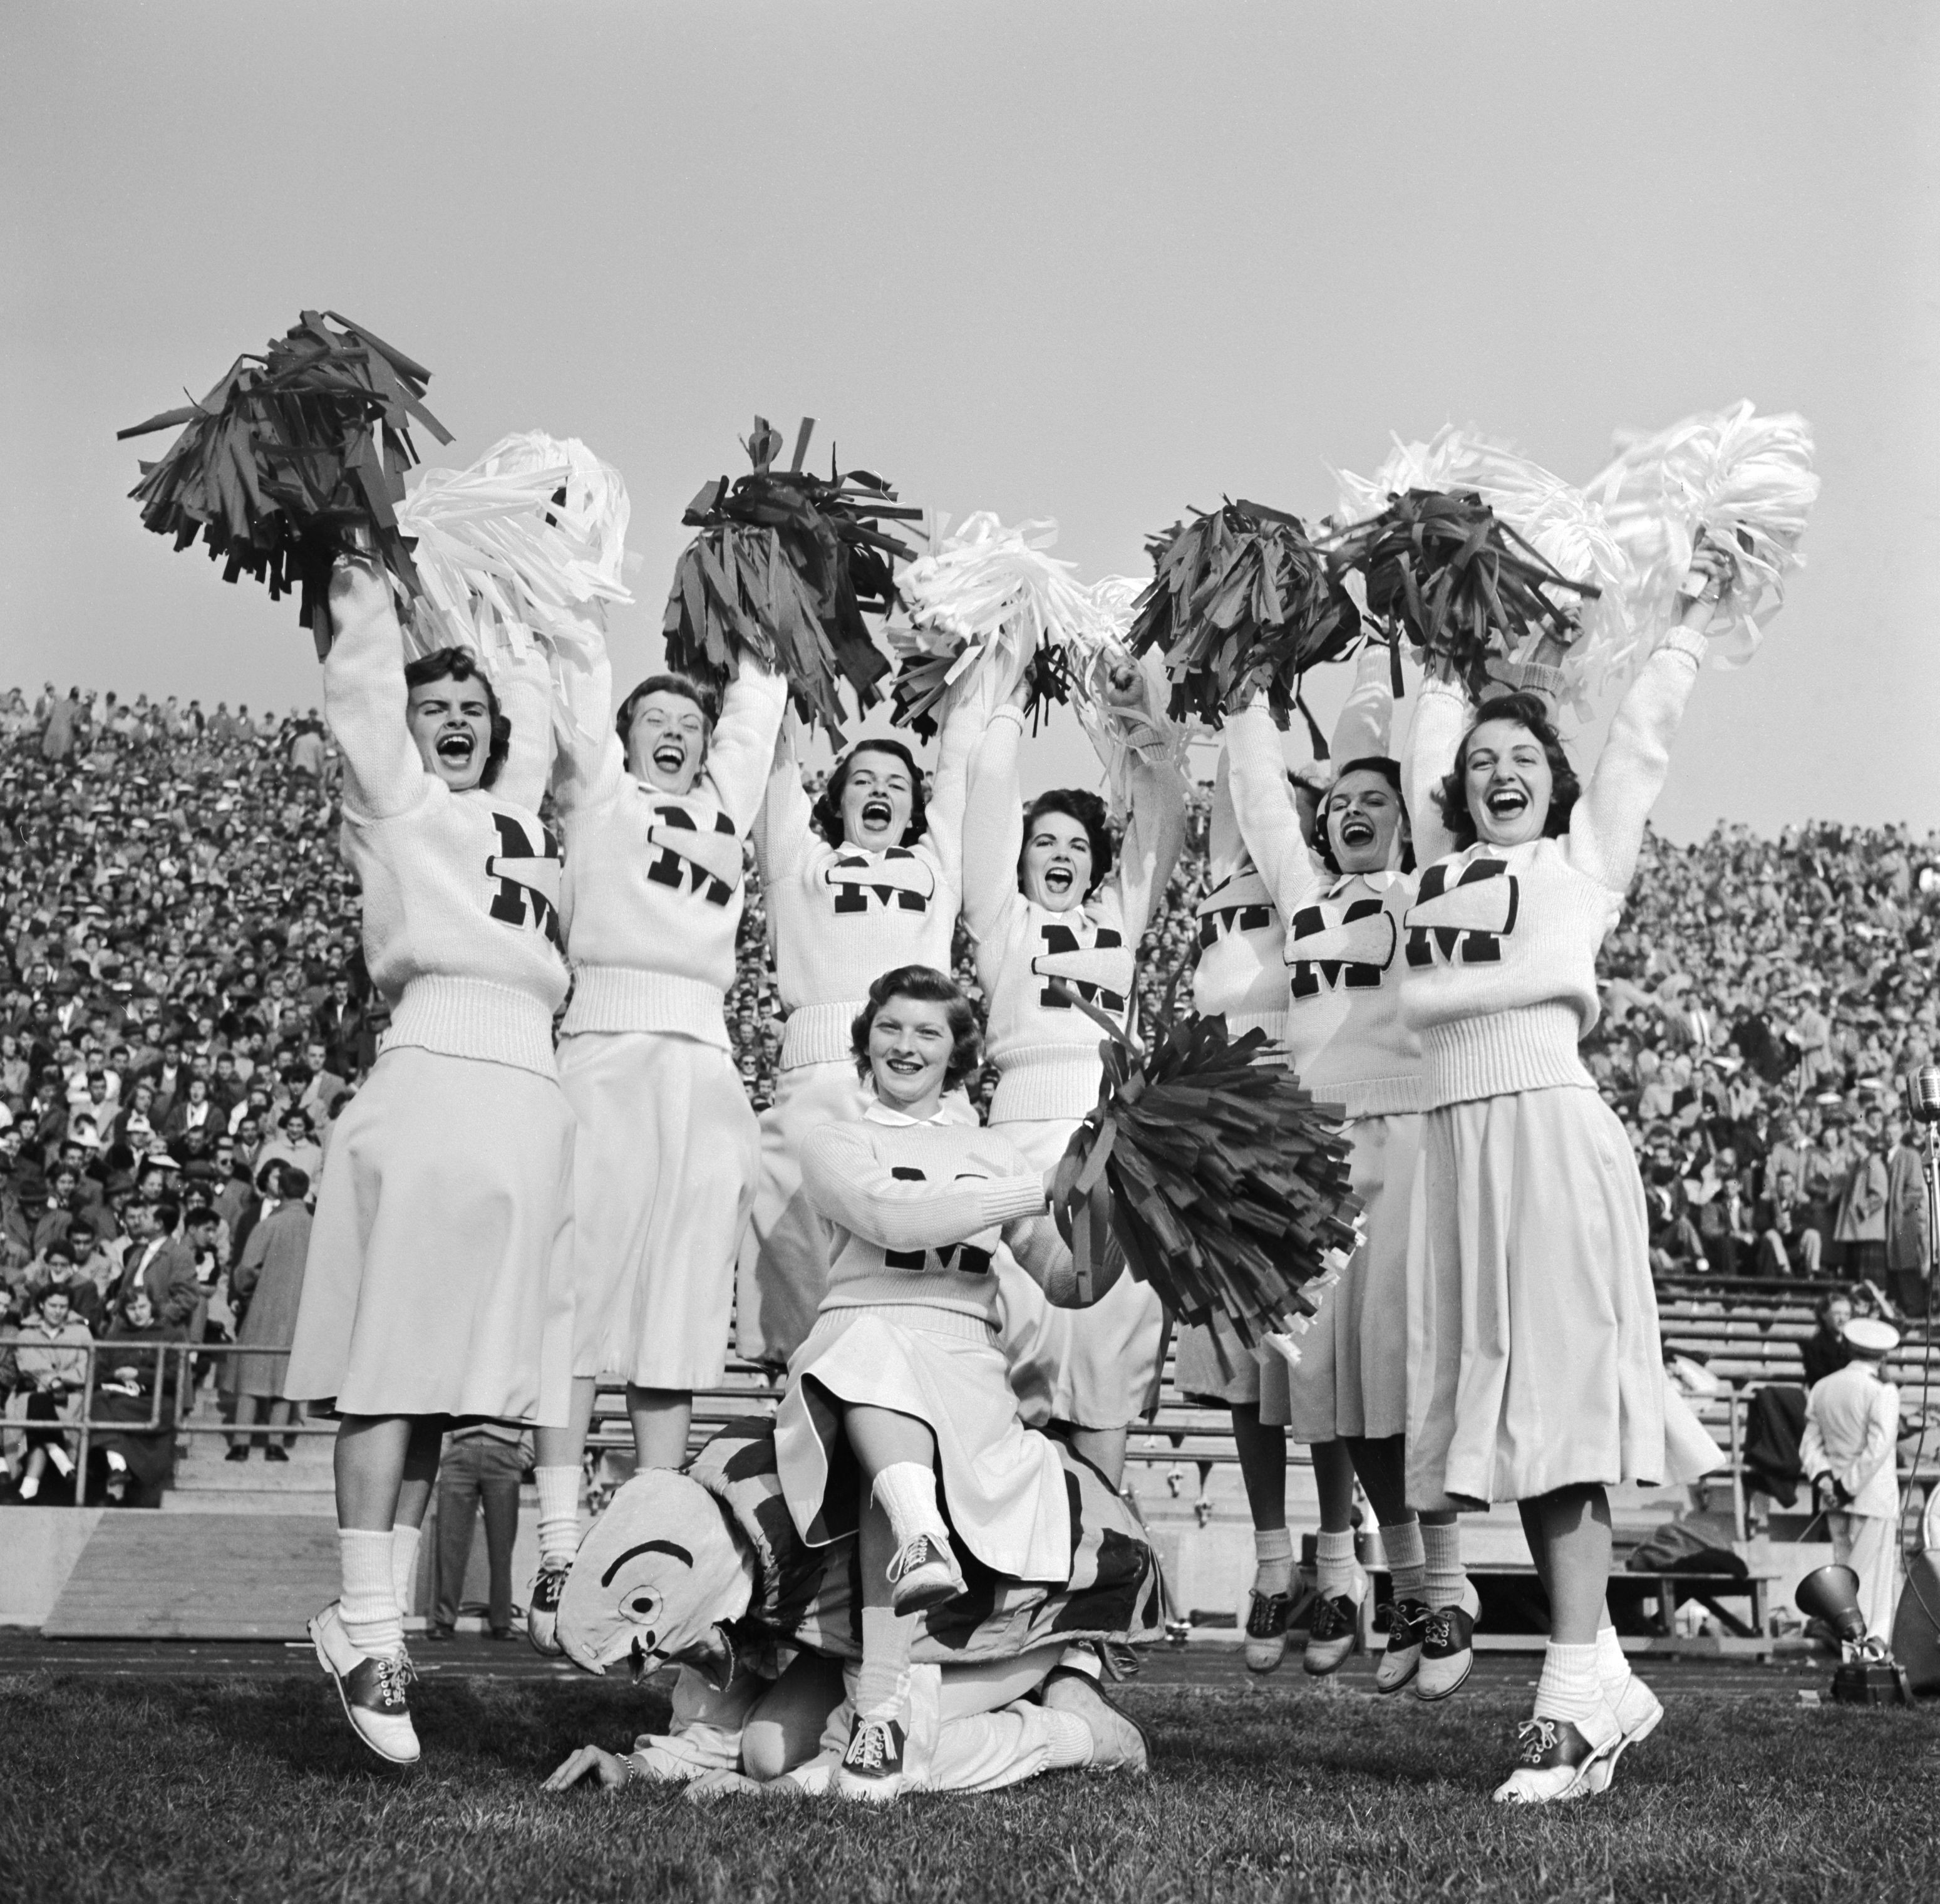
199, 1577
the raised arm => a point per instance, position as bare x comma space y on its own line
1269, 821
949, 786
849, 1184
364, 698
1367, 715
741, 750
993, 827
591, 764
784, 831
1441, 716
524, 683
1606, 829
1154, 835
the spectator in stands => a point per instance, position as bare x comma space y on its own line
135, 1386
56, 1269
1787, 1237
161, 1262
51, 1374
1908, 1240
1861, 1229
267, 1285
1824, 1350
482, 1463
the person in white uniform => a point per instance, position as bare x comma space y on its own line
656, 810
1849, 1448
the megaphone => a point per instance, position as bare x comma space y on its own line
1832, 1594
1871, 1677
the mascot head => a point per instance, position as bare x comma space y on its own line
659, 1580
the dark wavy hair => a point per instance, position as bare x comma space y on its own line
827, 815
1523, 711
1390, 771
1075, 802
929, 986
461, 664
702, 697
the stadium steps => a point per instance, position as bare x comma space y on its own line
207, 1482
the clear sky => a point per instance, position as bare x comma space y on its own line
1095, 261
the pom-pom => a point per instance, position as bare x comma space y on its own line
1120, 729
1465, 588
295, 456
988, 608
1239, 592
1740, 480
527, 546
786, 567
1566, 527
1223, 1181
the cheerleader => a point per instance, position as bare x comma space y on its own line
654, 813
1535, 1371
1242, 973
1054, 920
439, 1277
901, 1382
866, 878
1346, 1396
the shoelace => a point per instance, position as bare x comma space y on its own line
393, 1677
1440, 1630
919, 1553
1265, 1618
869, 1749
1334, 1617
1535, 1739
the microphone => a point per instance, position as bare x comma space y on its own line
1922, 1093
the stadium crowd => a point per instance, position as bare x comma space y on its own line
183, 1010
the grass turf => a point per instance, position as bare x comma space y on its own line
130, 1791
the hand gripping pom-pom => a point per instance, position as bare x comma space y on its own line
784, 567
1223, 1181
296, 454
1239, 593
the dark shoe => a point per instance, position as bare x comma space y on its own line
1408, 1631
1447, 1653
872, 1768
276, 1454
542, 1615
1266, 1630
1335, 1633
503, 1633
440, 1635
372, 1689
1557, 1759
237, 1455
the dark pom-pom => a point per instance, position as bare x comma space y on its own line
1442, 567
1223, 1181
786, 565
1240, 594
295, 456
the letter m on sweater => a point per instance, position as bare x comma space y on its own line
527, 879
1465, 923
701, 860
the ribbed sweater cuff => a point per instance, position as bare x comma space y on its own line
1533, 1048
1044, 1084
1007, 1198
1273, 1023
1689, 642
625, 998
819, 1034
472, 1017
1374, 1097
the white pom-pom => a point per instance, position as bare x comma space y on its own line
1121, 731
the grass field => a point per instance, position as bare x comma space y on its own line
141, 1792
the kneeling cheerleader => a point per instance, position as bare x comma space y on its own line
1536, 1372
901, 1385
655, 809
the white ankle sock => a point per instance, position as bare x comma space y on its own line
882, 1686
1334, 1562
1613, 1666
906, 1492
367, 1604
559, 1513
404, 1565
1443, 1579
1081, 1659
1070, 1739
1407, 1565
1272, 1556
1568, 1688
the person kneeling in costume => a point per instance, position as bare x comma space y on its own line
706, 1570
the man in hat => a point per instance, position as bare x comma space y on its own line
1851, 1427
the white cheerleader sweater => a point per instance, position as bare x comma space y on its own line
460, 891
654, 884
920, 1211
1241, 970
1344, 1031
1499, 949
841, 917
1045, 1050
